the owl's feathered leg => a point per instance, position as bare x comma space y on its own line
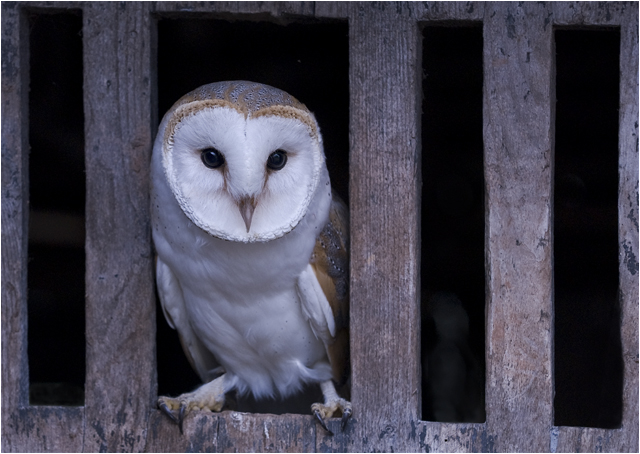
209, 396
332, 403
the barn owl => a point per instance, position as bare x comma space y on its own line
252, 260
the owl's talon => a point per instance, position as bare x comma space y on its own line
182, 414
167, 411
332, 403
318, 415
346, 416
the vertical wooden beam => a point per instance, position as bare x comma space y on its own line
628, 222
385, 101
15, 196
120, 314
518, 131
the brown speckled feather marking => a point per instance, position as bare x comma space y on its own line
330, 262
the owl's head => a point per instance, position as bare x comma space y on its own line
242, 159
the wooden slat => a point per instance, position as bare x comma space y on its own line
15, 193
518, 127
449, 11
286, 11
246, 432
444, 437
233, 432
591, 13
120, 312
628, 215
49, 429
385, 233
385, 146
625, 439
200, 433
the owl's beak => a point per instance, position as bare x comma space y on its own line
247, 205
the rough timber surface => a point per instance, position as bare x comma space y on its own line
625, 439
518, 135
15, 82
120, 312
385, 212
120, 413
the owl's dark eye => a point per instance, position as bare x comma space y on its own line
211, 158
277, 160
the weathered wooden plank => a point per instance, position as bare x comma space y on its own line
246, 432
50, 7
200, 433
385, 232
625, 439
518, 127
120, 312
15, 194
49, 429
589, 439
449, 11
278, 10
628, 223
443, 437
233, 432
590, 13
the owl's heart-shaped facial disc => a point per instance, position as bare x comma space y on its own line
243, 162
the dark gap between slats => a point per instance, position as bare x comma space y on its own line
588, 349
56, 267
308, 60
452, 268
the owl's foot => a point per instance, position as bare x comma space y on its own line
209, 396
332, 403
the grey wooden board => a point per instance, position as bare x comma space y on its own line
385, 67
15, 81
48, 429
384, 162
120, 307
624, 439
518, 157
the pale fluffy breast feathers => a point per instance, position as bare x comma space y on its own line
246, 122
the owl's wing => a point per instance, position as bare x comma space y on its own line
173, 306
326, 280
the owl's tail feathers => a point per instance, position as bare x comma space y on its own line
332, 403
210, 396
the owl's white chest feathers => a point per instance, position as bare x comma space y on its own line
241, 298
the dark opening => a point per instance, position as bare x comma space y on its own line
588, 350
56, 341
308, 60
453, 281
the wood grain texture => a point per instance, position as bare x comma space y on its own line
233, 432
628, 223
275, 11
200, 433
518, 131
385, 82
49, 429
244, 432
385, 106
15, 193
625, 439
120, 311
591, 13
449, 11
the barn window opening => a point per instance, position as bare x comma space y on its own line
310, 61
56, 257
452, 267
588, 350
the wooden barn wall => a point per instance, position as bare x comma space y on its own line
385, 106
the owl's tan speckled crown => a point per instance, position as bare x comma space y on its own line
249, 98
